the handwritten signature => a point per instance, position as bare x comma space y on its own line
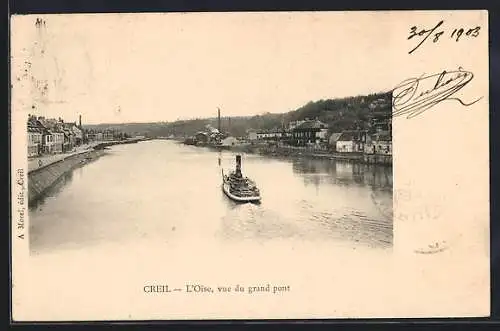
416, 95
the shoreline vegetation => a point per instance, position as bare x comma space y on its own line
339, 114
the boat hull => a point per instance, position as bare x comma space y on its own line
225, 189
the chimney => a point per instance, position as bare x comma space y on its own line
218, 119
238, 165
80, 121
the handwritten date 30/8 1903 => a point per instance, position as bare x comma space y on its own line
437, 31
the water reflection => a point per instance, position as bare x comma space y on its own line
142, 191
343, 173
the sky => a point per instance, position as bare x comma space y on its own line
118, 68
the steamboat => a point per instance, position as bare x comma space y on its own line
239, 188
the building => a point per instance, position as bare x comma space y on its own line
53, 136
89, 135
108, 135
293, 124
379, 143
332, 141
379, 103
34, 141
352, 141
35, 137
252, 135
229, 141
58, 139
49, 135
47, 145
202, 137
48, 142
216, 137
309, 132
78, 134
36, 132
381, 123
69, 139
274, 134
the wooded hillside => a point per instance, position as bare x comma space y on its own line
340, 114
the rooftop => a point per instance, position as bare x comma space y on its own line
382, 136
314, 124
351, 135
335, 136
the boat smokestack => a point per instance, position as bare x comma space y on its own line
238, 165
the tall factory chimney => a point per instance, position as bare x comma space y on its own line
79, 121
218, 119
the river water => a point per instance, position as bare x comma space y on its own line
160, 191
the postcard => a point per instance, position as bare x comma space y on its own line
250, 165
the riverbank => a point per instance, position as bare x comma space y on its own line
42, 161
289, 151
41, 179
104, 144
44, 171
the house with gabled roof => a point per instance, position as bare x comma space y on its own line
379, 143
58, 134
332, 140
351, 141
45, 125
35, 136
309, 132
78, 134
69, 137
